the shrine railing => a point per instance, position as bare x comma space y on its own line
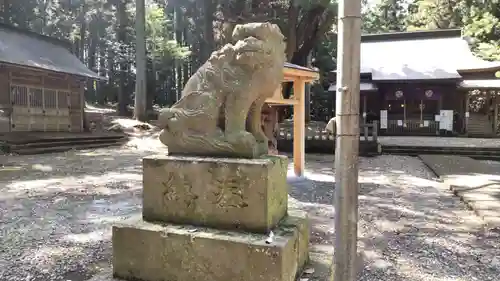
368, 132
427, 127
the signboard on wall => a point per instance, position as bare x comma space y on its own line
449, 125
383, 119
446, 120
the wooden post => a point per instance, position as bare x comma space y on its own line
467, 113
299, 127
440, 107
495, 118
488, 108
375, 131
347, 141
364, 108
404, 115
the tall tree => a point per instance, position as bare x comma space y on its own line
385, 16
140, 62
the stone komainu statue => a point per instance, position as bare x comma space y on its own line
210, 119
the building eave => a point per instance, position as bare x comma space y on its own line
363, 87
293, 71
481, 69
486, 84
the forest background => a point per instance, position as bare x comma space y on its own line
181, 34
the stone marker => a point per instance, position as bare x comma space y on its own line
196, 208
246, 194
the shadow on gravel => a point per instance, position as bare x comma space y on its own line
410, 228
63, 235
57, 212
56, 226
39, 167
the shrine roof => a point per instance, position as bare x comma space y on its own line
294, 66
293, 72
25, 48
419, 55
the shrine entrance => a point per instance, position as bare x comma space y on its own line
413, 111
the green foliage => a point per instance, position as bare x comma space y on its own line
435, 14
478, 19
311, 4
385, 16
181, 34
162, 50
484, 27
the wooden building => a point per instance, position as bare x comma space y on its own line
41, 83
427, 83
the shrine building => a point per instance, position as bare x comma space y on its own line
427, 83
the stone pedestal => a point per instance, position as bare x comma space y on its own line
216, 192
209, 219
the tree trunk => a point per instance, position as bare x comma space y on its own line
140, 104
172, 90
6, 12
83, 31
111, 76
178, 38
209, 9
185, 67
91, 62
291, 38
122, 37
151, 87
102, 93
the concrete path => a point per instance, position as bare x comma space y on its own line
477, 183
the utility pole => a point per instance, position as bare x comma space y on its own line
140, 60
347, 141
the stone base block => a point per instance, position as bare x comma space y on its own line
221, 193
155, 252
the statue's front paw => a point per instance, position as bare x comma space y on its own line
166, 137
244, 138
262, 148
168, 119
243, 144
261, 137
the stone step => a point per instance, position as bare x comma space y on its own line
479, 132
52, 148
39, 142
65, 142
34, 139
484, 153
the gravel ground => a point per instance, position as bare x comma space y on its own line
56, 212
